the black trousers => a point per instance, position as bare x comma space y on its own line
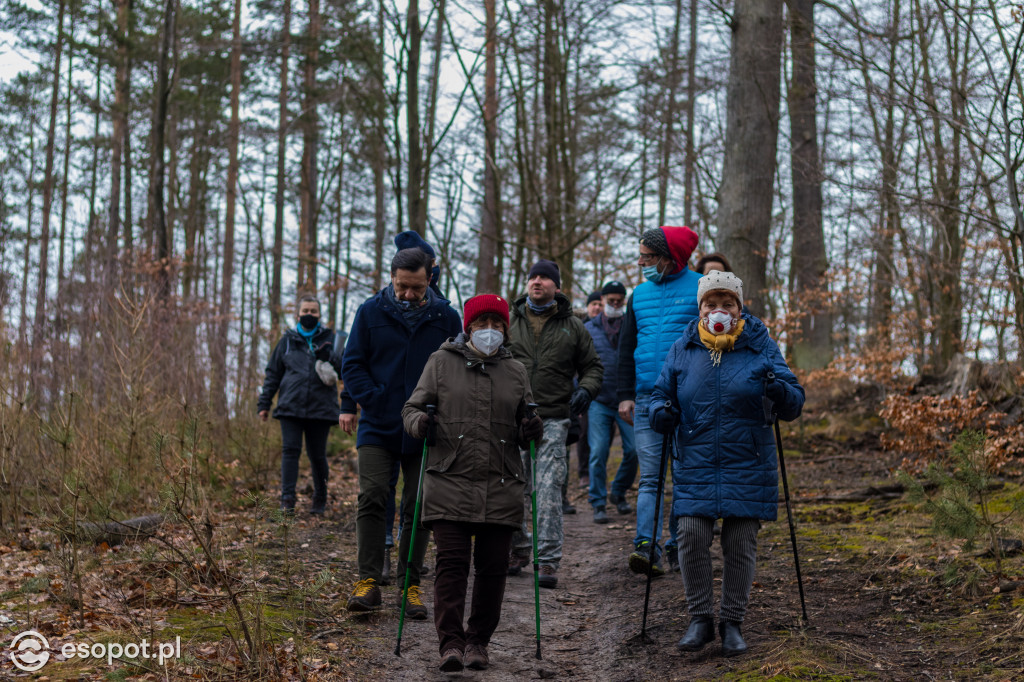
454, 542
316, 433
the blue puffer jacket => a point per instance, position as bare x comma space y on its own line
662, 312
725, 463
609, 358
384, 359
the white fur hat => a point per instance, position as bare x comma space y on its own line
717, 280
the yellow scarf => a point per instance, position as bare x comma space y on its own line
716, 343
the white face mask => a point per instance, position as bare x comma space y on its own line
611, 312
719, 322
487, 341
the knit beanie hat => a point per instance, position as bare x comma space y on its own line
594, 296
655, 240
482, 304
546, 268
675, 243
412, 240
716, 280
613, 287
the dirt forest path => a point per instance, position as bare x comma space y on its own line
870, 617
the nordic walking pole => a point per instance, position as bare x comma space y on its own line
427, 442
532, 407
657, 524
773, 417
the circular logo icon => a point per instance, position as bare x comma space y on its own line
30, 651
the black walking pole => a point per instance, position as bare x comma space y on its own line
533, 502
427, 442
771, 416
657, 524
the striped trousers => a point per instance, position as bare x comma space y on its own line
739, 554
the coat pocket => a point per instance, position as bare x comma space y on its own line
763, 441
443, 459
511, 461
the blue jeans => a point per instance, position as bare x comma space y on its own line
600, 418
648, 449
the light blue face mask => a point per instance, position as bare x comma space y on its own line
651, 273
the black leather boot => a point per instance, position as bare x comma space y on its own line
732, 640
700, 632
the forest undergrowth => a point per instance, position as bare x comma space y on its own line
246, 593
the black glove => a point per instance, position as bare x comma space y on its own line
531, 429
664, 419
324, 351
580, 400
426, 428
775, 392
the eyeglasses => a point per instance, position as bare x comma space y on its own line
648, 257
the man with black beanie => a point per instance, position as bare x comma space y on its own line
555, 348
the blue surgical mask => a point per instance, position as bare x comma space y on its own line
651, 273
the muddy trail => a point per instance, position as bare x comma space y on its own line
880, 599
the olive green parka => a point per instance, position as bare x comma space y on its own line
564, 351
474, 473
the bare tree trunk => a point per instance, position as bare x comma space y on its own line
551, 239
947, 243
172, 139
157, 214
380, 157
883, 268
691, 95
120, 124
93, 238
668, 138
751, 141
276, 310
30, 182
311, 138
414, 33
217, 354
428, 143
51, 134
127, 143
487, 276
809, 263
62, 239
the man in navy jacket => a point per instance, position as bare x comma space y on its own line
393, 334
603, 414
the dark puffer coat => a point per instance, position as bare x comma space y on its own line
291, 374
474, 474
725, 464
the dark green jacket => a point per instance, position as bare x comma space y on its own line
565, 351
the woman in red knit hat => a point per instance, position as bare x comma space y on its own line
474, 478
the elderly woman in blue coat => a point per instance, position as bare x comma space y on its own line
722, 384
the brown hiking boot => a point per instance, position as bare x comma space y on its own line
365, 596
517, 562
451, 661
476, 657
548, 577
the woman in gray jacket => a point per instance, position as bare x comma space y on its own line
474, 478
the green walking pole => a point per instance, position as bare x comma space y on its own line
533, 501
427, 442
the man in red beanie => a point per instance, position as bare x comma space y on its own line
656, 315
